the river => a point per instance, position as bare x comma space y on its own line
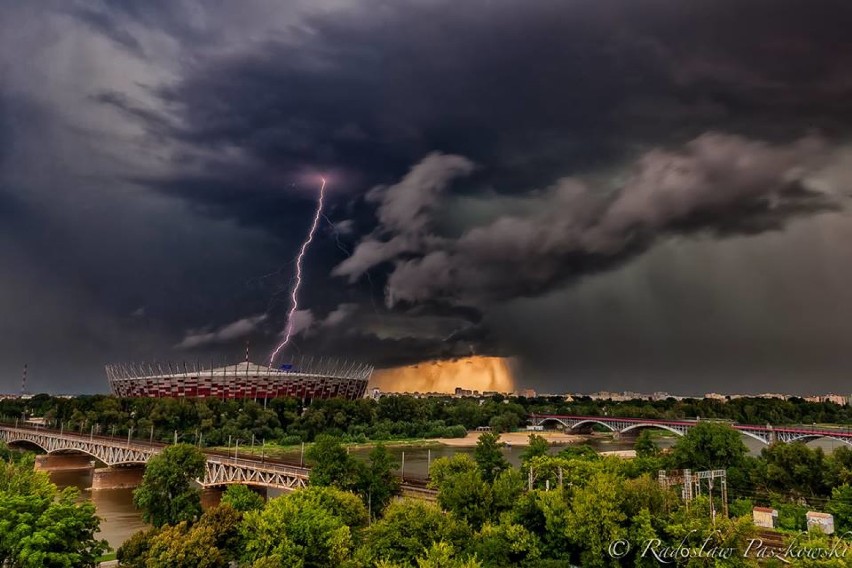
119, 517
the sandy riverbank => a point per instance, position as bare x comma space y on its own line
627, 454
514, 439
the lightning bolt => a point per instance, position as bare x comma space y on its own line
294, 294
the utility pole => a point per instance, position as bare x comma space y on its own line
402, 469
24, 381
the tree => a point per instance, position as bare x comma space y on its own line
488, 456
795, 469
595, 518
506, 490
166, 495
461, 489
443, 555
331, 464
224, 523
841, 507
308, 528
408, 527
645, 445
42, 527
378, 484
180, 546
242, 499
133, 553
506, 544
505, 422
538, 446
212, 542
709, 445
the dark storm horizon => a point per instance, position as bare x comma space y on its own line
616, 194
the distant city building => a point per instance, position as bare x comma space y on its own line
837, 399
305, 379
778, 396
820, 521
765, 517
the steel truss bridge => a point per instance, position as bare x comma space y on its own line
220, 470
765, 434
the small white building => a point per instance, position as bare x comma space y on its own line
765, 517
820, 521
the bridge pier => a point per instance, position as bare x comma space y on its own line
63, 462
211, 497
122, 477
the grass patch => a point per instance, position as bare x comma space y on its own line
106, 557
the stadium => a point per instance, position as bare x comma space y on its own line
307, 379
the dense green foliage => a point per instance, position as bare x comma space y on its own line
167, 494
374, 480
40, 526
242, 499
212, 422
554, 510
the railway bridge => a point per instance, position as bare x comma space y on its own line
220, 470
764, 434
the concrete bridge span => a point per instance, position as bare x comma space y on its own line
764, 434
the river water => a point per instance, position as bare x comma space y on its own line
120, 519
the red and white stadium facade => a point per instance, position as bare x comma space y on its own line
305, 380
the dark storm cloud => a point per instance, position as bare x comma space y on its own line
717, 183
531, 93
167, 166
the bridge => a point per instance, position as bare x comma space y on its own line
765, 434
220, 470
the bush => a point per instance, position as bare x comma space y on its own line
134, 552
290, 440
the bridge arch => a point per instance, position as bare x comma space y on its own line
582, 423
811, 437
652, 425
576, 425
752, 435
28, 442
66, 448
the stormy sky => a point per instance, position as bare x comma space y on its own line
622, 194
